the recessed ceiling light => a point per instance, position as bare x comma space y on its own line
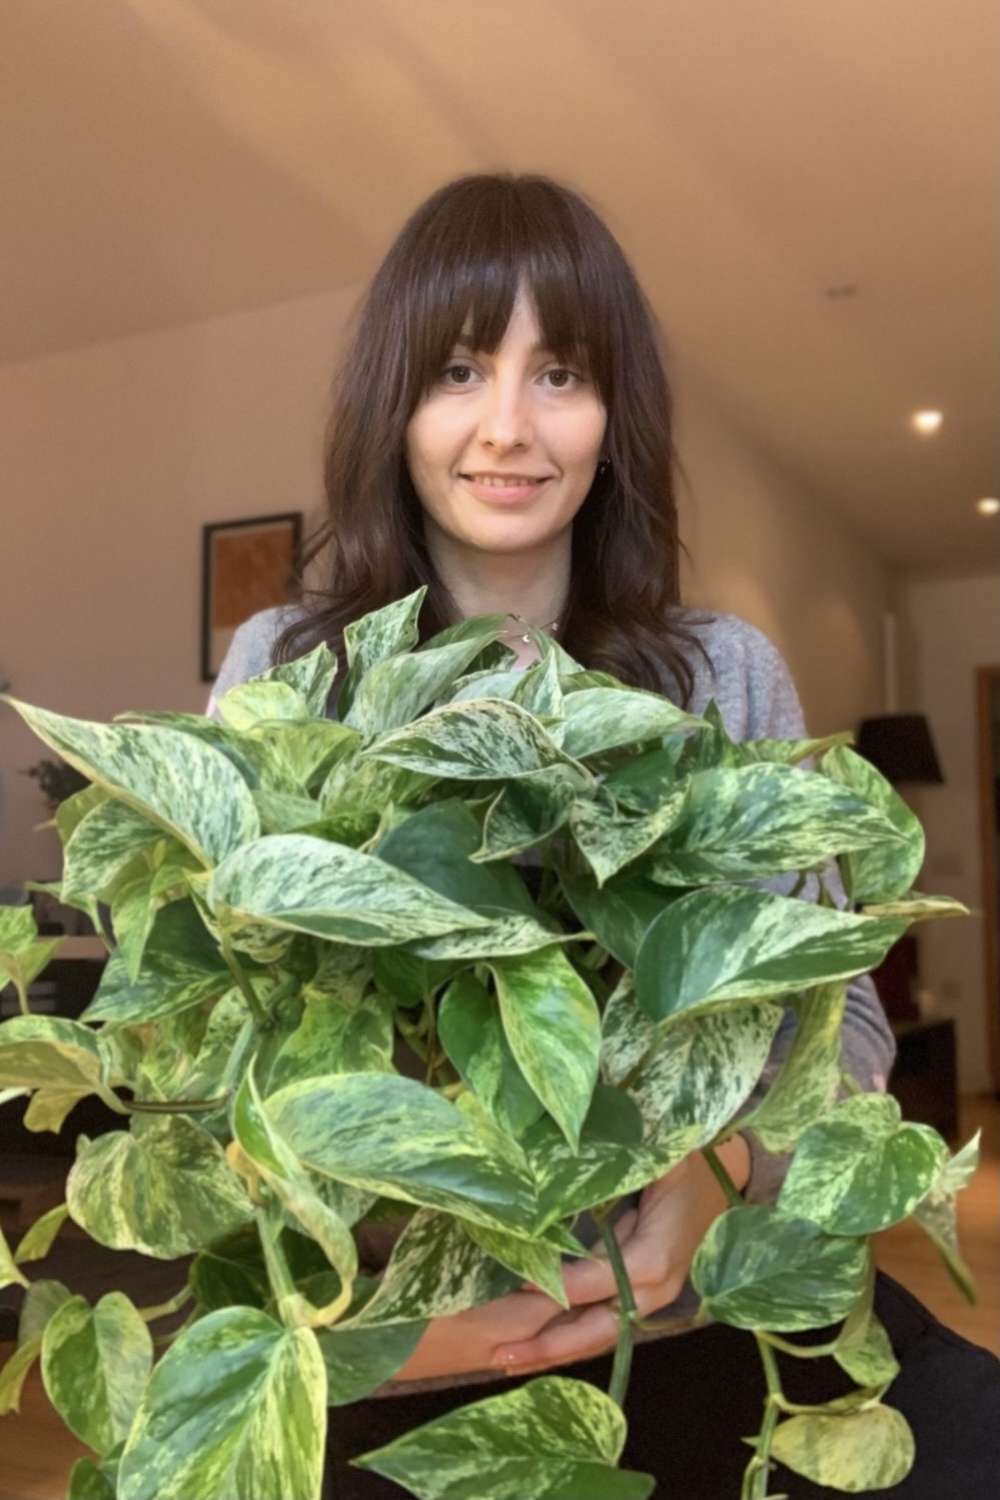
926, 421
988, 506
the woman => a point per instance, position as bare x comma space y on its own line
502, 433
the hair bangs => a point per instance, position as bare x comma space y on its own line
468, 270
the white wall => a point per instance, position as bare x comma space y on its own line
766, 548
955, 625
116, 455
113, 459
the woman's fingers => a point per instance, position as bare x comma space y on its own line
580, 1334
588, 1331
594, 1280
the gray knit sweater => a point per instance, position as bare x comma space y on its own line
753, 689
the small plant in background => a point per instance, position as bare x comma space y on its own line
56, 780
295, 899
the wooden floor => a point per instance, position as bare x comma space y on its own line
37, 1452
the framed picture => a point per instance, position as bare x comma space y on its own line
246, 566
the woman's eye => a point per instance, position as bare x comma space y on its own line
564, 379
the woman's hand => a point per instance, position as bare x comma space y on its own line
467, 1341
658, 1241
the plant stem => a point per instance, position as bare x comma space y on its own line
728, 1186
755, 1476
245, 987
627, 1311
164, 1309
801, 1351
850, 1084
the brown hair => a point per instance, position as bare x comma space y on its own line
463, 252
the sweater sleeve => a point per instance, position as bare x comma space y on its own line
867, 1045
248, 655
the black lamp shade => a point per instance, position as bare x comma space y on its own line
901, 747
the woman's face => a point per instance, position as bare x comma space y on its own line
517, 414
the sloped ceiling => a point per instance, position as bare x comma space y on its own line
165, 161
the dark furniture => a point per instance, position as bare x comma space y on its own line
924, 1078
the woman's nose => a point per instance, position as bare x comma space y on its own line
505, 419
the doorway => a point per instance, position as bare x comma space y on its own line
988, 719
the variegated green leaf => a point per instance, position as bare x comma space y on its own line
506, 937
251, 703
494, 682
530, 1260
611, 1159
18, 929
15, 1371
95, 1364
885, 871
809, 1078
235, 1410
294, 757
9, 1273
59, 1056
188, 788
181, 967
737, 823
41, 1299
553, 1026
471, 1031
437, 846
627, 1033
408, 979
540, 690
304, 884
871, 1449
435, 1271
392, 1135
609, 839
285, 1175
48, 1108
937, 1218
644, 782
359, 1360
311, 675
600, 718
89, 1481
860, 1169
336, 1038
528, 810
70, 814
553, 1439
356, 793
164, 1189
731, 944
481, 740
758, 1268
37, 1241
620, 914
23, 955
862, 1347
701, 1071
396, 690
102, 845
918, 908
377, 636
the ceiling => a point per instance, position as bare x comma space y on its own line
165, 161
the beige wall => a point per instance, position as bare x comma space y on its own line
766, 548
955, 625
115, 456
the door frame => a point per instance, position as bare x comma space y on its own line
990, 875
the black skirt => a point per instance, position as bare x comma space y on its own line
692, 1398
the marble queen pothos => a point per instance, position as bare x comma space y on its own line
295, 898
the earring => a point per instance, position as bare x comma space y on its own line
604, 466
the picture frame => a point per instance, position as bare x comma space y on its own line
246, 566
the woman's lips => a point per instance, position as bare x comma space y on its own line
500, 494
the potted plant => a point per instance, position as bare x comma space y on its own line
293, 898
